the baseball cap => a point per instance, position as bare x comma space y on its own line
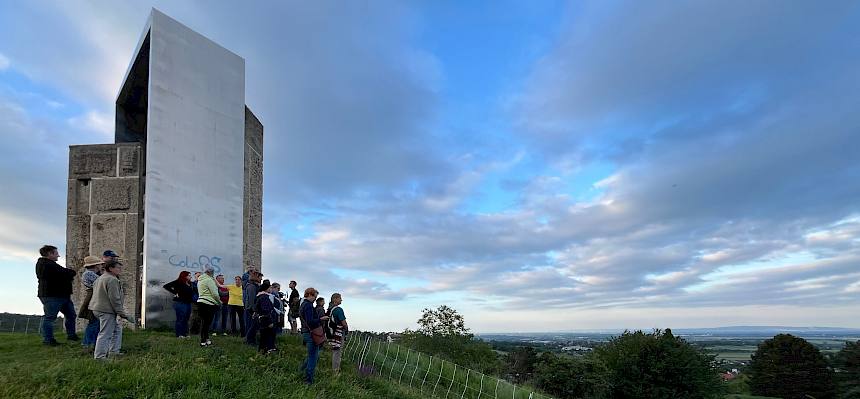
110, 253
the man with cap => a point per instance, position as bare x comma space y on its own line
107, 305
92, 266
55, 293
208, 301
110, 256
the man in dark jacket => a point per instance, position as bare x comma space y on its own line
249, 296
55, 292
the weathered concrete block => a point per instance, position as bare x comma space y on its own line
129, 160
132, 240
89, 161
108, 232
78, 198
112, 195
77, 240
253, 131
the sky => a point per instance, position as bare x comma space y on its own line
538, 166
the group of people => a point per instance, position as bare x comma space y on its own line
255, 308
102, 304
258, 311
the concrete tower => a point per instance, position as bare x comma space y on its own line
182, 186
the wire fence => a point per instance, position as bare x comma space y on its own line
425, 373
26, 324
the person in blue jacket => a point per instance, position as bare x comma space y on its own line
310, 321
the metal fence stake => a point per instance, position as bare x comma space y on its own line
428, 372
440, 377
466, 384
453, 378
405, 363
417, 362
481, 391
496, 392
394, 364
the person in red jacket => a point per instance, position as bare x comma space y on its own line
55, 292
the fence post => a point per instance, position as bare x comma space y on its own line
441, 369
384, 359
453, 378
481, 391
514, 392
395, 363
428, 372
496, 392
27, 327
405, 363
417, 362
531, 395
14, 322
378, 347
363, 349
466, 385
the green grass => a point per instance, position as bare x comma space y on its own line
158, 365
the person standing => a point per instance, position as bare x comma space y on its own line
320, 308
249, 295
310, 321
264, 312
107, 305
237, 307
55, 293
219, 322
195, 311
294, 302
339, 330
183, 296
207, 302
92, 267
278, 301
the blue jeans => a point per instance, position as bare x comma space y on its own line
183, 313
219, 323
91, 332
309, 365
52, 305
252, 327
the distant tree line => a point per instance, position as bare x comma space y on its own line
637, 364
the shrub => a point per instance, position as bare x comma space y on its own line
791, 368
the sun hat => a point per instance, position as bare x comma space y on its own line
92, 261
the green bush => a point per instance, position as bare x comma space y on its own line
791, 368
655, 365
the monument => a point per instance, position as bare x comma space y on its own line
182, 186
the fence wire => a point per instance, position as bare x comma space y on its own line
26, 324
427, 374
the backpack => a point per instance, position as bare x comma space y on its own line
330, 325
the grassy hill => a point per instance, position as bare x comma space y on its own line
158, 365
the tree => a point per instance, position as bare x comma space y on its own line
443, 321
521, 364
656, 365
442, 332
791, 368
847, 365
570, 377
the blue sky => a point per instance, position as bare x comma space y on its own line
537, 166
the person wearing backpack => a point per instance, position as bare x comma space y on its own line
338, 327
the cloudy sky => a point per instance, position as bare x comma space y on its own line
536, 165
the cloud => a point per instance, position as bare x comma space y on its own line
96, 122
4, 62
